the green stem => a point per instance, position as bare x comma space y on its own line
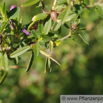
3, 77
31, 25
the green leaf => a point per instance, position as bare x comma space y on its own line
99, 10
47, 27
36, 34
40, 16
47, 55
19, 51
1, 10
14, 13
36, 18
40, 28
45, 65
49, 62
2, 28
3, 77
61, 2
29, 3
64, 14
57, 26
78, 9
62, 18
70, 17
4, 9
30, 62
36, 49
51, 46
0, 60
5, 61
83, 39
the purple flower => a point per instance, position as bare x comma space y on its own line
11, 21
25, 31
12, 7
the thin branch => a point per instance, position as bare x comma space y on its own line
66, 37
55, 1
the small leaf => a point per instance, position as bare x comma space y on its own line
58, 42
47, 55
0, 60
30, 62
78, 9
3, 77
57, 26
5, 61
36, 34
70, 17
40, 16
64, 14
29, 3
51, 46
19, 51
99, 10
49, 62
36, 49
1, 10
16, 60
45, 65
83, 39
14, 13
40, 28
2, 28
47, 26
61, 2
4, 9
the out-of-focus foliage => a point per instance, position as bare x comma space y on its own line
81, 70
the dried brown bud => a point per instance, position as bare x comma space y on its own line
74, 26
53, 15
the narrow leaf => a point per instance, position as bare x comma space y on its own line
47, 26
49, 62
2, 28
1, 10
99, 10
40, 28
83, 39
29, 3
40, 16
45, 65
0, 60
30, 62
5, 61
36, 49
51, 46
70, 17
19, 51
4, 9
35, 34
64, 14
47, 55
14, 13
3, 77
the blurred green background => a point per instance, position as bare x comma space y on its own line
81, 70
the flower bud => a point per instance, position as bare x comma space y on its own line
25, 31
53, 15
12, 7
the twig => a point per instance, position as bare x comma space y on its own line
55, 1
66, 37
